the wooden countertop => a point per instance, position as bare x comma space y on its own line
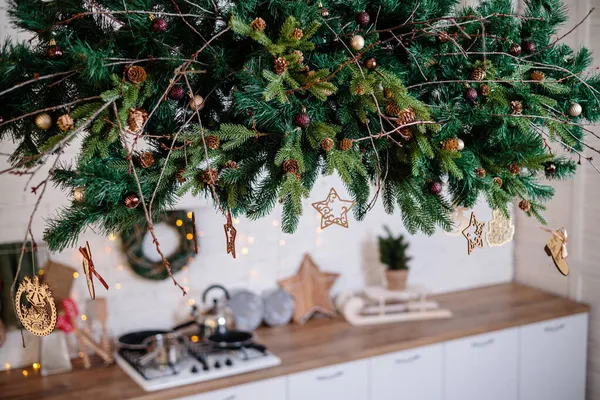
319, 343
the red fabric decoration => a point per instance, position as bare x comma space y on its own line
70, 308
64, 324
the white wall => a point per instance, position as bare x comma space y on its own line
440, 262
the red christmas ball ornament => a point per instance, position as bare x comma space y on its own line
158, 25
363, 18
529, 46
471, 94
302, 120
435, 188
176, 93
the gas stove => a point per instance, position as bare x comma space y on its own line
203, 363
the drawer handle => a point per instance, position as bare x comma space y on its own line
332, 376
232, 397
483, 344
554, 328
408, 360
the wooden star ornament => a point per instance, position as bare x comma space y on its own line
474, 239
310, 288
333, 210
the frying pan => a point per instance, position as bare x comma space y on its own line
233, 340
135, 340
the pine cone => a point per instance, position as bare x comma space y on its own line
212, 141
525, 205
280, 65
392, 109
387, 93
231, 165
345, 144
327, 144
258, 24
131, 200
290, 166
146, 159
516, 107
137, 119
360, 91
498, 181
300, 56
136, 74
514, 169
538, 76
451, 144
478, 74
480, 172
443, 37
297, 34
210, 176
406, 133
485, 89
65, 122
179, 176
406, 116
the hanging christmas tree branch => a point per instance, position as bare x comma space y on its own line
53, 108
37, 79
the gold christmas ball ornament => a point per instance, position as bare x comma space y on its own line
79, 194
136, 74
43, 121
197, 103
327, 144
357, 42
131, 201
575, 110
65, 123
280, 65
146, 159
478, 74
258, 24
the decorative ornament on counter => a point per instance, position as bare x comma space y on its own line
500, 229
230, 234
279, 307
197, 103
54, 51
475, 238
557, 249
459, 220
90, 270
333, 210
310, 288
43, 121
38, 315
575, 110
248, 309
357, 42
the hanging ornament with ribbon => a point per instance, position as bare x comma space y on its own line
557, 249
459, 220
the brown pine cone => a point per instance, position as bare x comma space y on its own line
406, 116
478, 74
212, 141
65, 122
514, 169
300, 56
297, 34
280, 65
516, 107
290, 166
451, 144
360, 91
498, 181
525, 205
327, 144
443, 37
387, 93
136, 120
210, 176
406, 133
485, 89
180, 178
258, 24
136, 74
345, 144
538, 76
480, 172
131, 200
231, 165
146, 159
392, 109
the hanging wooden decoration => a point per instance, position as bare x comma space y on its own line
38, 315
557, 249
500, 229
195, 232
474, 239
460, 221
333, 210
230, 234
90, 270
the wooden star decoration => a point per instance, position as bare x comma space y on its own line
310, 288
474, 239
230, 234
333, 210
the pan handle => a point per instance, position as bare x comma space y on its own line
211, 287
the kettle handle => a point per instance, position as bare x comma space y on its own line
211, 287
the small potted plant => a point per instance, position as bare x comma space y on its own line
392, 253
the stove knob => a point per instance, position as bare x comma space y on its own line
217, 364
228, 362
194, 370
205, 367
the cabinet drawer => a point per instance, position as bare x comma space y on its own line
347, 381
416, 373
482, 367
553, 359
270, 389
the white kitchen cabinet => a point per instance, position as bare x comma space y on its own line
269, 389
553, 359
415, 374
347, 381
482, 367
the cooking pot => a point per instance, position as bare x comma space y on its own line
164, 349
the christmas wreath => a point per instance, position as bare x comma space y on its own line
133, 239
249, 101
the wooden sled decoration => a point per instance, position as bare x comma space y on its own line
377, 305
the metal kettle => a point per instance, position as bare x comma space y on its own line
217, 319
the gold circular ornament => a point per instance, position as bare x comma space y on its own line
43, 121
39, 315
197, 103
78, 194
